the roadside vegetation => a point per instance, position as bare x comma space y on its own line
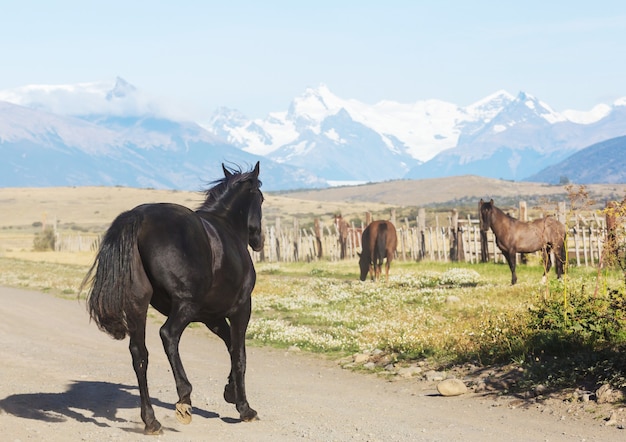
562, 333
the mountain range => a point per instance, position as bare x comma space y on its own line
501, 136
113, 134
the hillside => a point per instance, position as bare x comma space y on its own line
603, 162
93, 208
454, 190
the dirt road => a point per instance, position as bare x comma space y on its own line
61, 379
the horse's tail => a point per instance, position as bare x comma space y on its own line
111, 277
381, 243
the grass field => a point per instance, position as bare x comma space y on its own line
448, 314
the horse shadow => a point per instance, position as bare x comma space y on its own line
83, 401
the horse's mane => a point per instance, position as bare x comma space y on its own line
214, 195
492, 206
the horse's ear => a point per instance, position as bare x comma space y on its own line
481, 202
491, 202
227, 173
256, 169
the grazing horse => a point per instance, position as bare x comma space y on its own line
379, 241
192, 266
514, 236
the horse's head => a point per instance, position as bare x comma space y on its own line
238, 198
364, 264
254, 197
256, 239
484, 214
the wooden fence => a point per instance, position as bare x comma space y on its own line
448, 239
585, 244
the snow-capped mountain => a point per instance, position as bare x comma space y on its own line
113, 134
522, 139
90, 135
500, 136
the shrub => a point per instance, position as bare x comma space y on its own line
44, 240
593, 321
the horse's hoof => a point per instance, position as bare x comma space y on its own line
229, 394
249, 416
183, 413
154, 429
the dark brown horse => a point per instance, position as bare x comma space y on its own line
379, 241
191, 267
514, 236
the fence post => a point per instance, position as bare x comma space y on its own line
454, 240
421, 227
610, 245
484, 242
318, 237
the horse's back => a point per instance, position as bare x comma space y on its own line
169, 233
191, 258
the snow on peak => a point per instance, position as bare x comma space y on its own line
315, 104
500, 96
539, 108
487, 108
597, 113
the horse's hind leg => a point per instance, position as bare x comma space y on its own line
222, 329
170, 335
547, 259
139, 353
387, 266
560, 261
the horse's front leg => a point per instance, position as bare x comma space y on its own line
170, 335
222, 329
510, 259
238, 325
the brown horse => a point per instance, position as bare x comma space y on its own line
514, 236
378, 242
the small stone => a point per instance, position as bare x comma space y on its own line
451, 387
408, 372
361, 358
612, 420
433, 375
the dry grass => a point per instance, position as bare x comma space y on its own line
91, 209
441, 190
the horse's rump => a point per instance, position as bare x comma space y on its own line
378, 241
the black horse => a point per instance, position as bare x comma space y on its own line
192, 267
514, 236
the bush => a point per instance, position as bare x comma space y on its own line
592, 321
45, 240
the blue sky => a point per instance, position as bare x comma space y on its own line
255, 56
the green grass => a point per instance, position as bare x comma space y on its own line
562, 333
